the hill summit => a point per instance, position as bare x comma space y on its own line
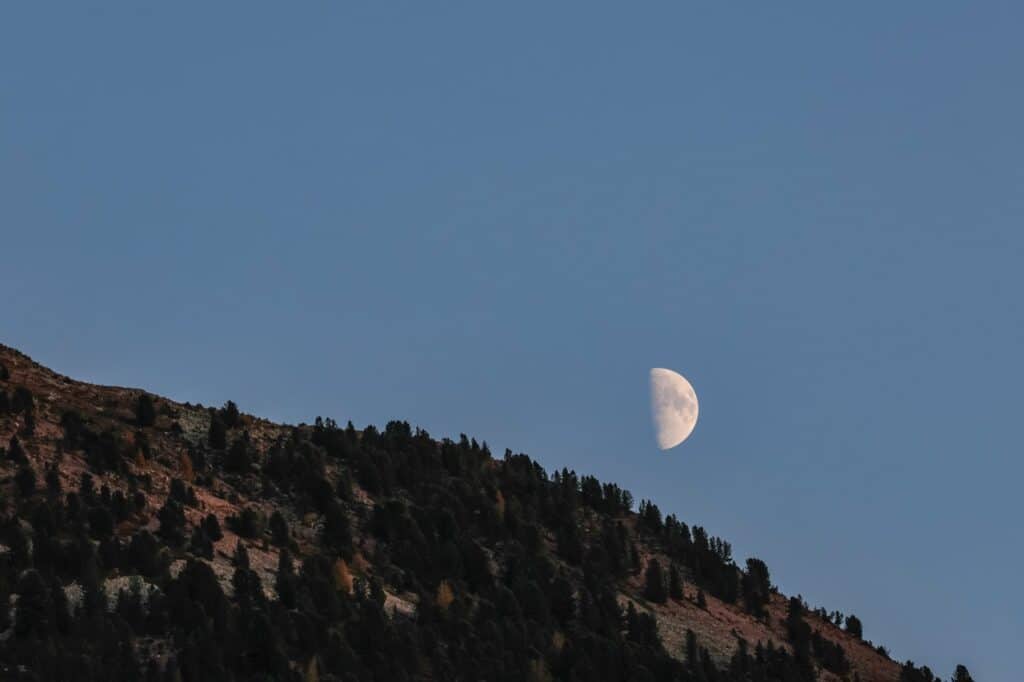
145, 539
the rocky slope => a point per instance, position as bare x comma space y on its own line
141, 456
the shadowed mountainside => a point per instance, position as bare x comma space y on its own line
145, 539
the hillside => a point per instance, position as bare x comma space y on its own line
145, 539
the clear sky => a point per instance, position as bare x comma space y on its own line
495, 218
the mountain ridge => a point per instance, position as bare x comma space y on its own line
429, 533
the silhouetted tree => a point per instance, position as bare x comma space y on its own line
278, 529
15, 452
230, 415
249, 523
142, 554
53, 486
25, 479
101, 523
336, 532
284, 583
199, 544
854, 627
33, 612
756, 587
145, 411
675, 582
172, 523
211, 526
654, 582
238, 458
692, 654
961, 674
218, 435
799, 633
22, 401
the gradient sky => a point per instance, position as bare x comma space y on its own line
494, 220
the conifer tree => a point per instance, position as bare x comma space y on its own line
212, 528
238, 458
278, 529
25, 479
145, 411
756, 587
654, 582
15, 452
961, 674
854, 626
230, 415
284, 583
218, 434
675, 582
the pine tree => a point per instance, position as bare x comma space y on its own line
212, 528
172, 523
25, 479
145, 411
200, 544
854, 626
654, 583
279, 529
692, 653
241, 557
238, 458
53, 486
22, 401
15, 452
675, 582
218, 435
285, 581
34, 607
961, 675
799, 633
756, 587
336, 532
230, 415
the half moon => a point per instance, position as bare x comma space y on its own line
673, 407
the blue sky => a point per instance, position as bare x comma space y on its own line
494, 220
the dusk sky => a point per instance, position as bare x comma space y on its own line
496, 219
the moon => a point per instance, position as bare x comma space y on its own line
673, 407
